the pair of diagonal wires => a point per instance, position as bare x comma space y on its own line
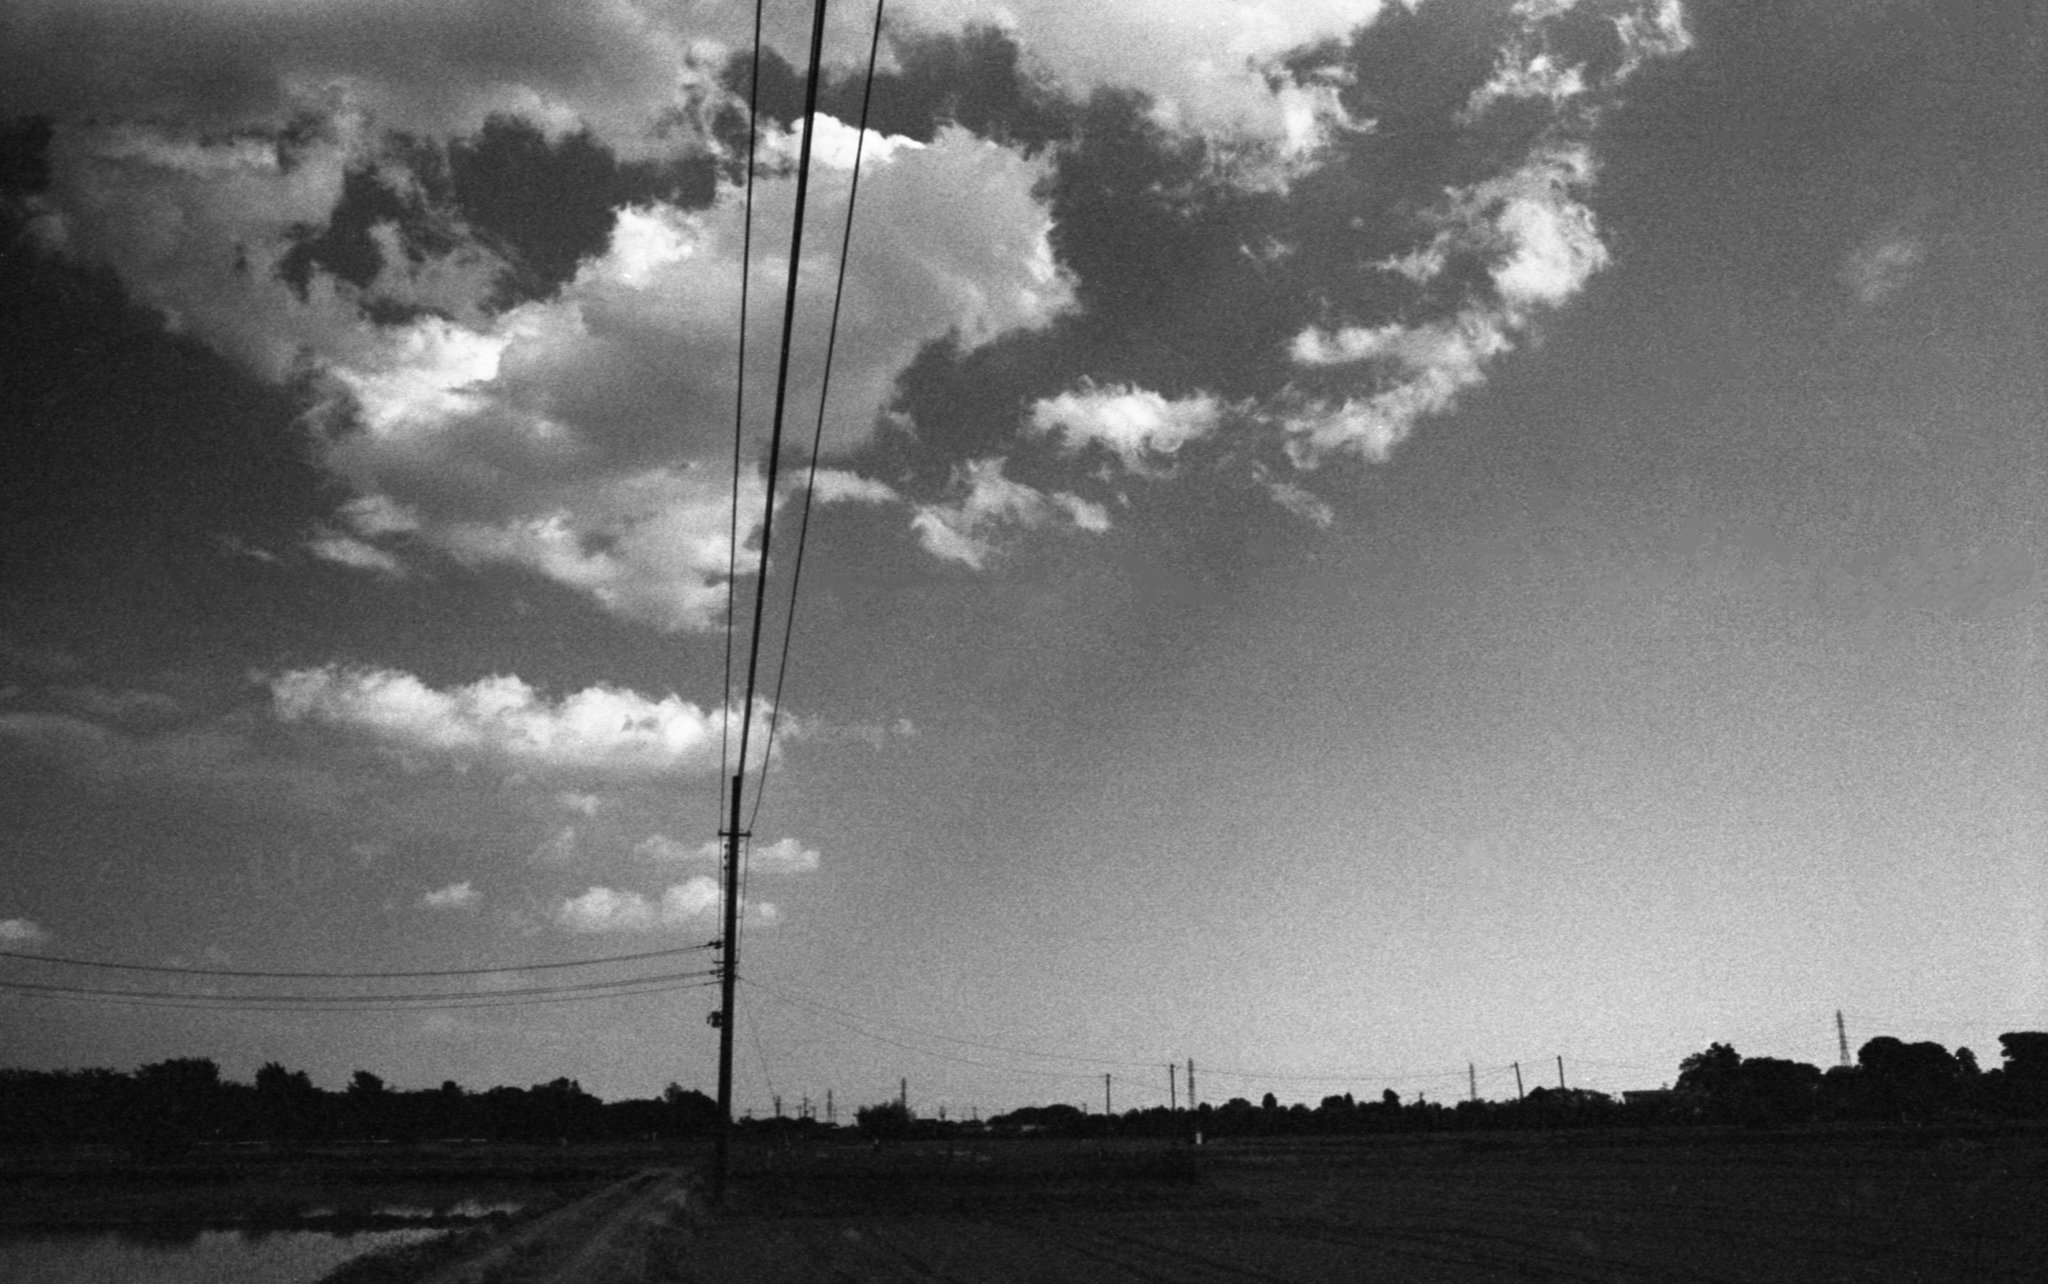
775, 432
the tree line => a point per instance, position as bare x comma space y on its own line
173, 1104
169, 1105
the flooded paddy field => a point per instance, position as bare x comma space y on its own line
275, 1215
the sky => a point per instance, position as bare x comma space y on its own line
1361, 544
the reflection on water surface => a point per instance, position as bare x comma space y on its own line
208, 1257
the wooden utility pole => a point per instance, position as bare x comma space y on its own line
1842, 1038
1560, 1072
831, 1119
1193, 1101
1172, 1102
903, 1096
728, 972
1472, 1078
1518, 1081
1105, 1096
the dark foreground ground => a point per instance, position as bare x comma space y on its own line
1880, 1205
1892, 1206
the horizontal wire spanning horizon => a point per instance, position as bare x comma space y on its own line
389, 1004
345, 1000
248, 974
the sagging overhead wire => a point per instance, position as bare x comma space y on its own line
739, 418
247, 974
343, 1001
803, 528
128, 998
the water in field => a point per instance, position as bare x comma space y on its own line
204, 1257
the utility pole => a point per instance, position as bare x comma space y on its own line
1193, 1101
1842, 1037
903, 1096
1518, 1081
778, 1105
1472, 1077
728, 972
1105, 1096
1172, 1102
1560, 1072
831, 1119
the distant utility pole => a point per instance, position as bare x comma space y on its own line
804, 1111
1105, 1096
903, 1095
1193, 1101
1172, 1102
1842, 1037
1472, 1077
778, 1105
1518, 1081
1560, 1072
831, 1119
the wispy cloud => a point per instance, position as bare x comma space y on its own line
966, 529
454, 896
22, 931
1883, 265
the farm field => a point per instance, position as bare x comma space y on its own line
1686, 1205
1885, 1206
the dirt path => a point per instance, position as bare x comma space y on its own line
634, 1230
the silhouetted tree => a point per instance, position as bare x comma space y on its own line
1909, 1080
884, 1121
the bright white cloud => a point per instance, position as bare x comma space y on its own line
838, 486
22, 931
1201, 60
503, 721
604, 909
454, 896
1133, 423
582, 437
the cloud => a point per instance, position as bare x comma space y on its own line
347, 550
1302, 504
602, 909
558, 848
838, 486
1133, 423
454, 896
964, 530
1541, 245
662, 847
1883, 265
22, 931
504, 722
784, 856
583, 434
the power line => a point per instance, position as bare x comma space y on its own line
827, 1009
122, 998
245, 974
347, 1000
739, 420
803, 529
